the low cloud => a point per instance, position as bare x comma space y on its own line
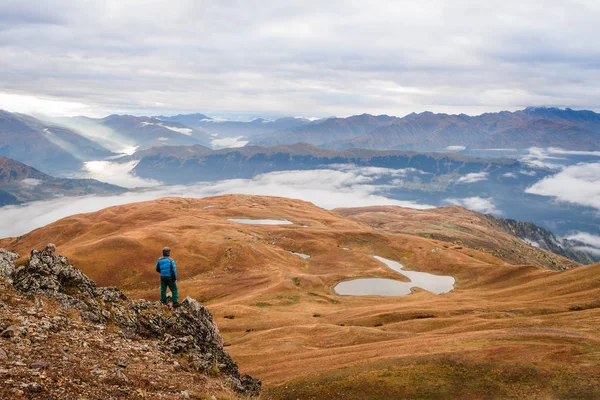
478, 204
116, 173
556, 150
590, 250
456, 148
537, 157
229, 142
30, 182
326, 188
528, 173
587, 238
473, 177
577, 184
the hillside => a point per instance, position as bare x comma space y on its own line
23, 183
505, 329
477, 231
188, 165
49, 147
62, 336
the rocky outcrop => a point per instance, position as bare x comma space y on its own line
544, 239
188, 330
6, 263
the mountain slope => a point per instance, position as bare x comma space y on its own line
146, 132
187, 165
477, 231
23, 183
544, 239
49, 147
504, 329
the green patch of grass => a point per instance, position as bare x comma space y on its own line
296, 281
443, 377
263, 305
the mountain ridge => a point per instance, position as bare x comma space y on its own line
546, 127
25, 183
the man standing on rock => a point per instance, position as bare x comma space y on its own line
168, 277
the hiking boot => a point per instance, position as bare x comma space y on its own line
164, 303
176, 305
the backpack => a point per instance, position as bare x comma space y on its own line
172, 271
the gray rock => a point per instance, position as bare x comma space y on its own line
7, 263
39, 365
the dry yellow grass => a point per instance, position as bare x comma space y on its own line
505, 331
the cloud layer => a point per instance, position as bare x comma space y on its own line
326, 188
576, 184
306, 57
476, 203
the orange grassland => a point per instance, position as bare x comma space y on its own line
506, 331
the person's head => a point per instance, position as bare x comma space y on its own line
166, 252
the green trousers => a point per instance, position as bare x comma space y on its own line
170, 283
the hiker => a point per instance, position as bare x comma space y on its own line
168, 277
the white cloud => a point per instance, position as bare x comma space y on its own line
528, 173
509, 175
116, 173
590, 250
536, 158
576, 184
34, 104
478, 204
183, 131
556, 150
456, 148
587, 238
325, 188
473, 177
228, 142
461, 56
30, 182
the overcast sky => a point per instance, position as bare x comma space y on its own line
302, 58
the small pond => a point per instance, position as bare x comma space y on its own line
389, 287
305, 256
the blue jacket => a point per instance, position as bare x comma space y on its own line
167, 268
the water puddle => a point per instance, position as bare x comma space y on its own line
261, 221
305, 256
437, 284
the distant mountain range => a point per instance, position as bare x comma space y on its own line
534, 126
61, 146
226, 128
21, 183
186, 164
